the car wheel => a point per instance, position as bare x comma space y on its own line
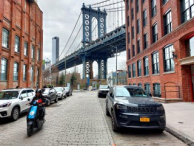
56, 100
48, 102
160, 130
107, 112
115, 128
15, 113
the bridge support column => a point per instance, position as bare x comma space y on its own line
91, 69
84, 67
105, 68
99, 68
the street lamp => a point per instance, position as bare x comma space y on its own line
50, 69
116, 60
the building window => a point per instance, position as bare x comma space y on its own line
5, 38
129, 53
155, 33
138, 46
26, 48
129, 73
138, 26
15, 71
189, 47
155, 63
137, 5
164, 1
17, 44
167, 23
153, 6
131, 1
24, 72
128, 22
32, 74
139, 68
127, 4
133, 50
3, 69
187, 7
134, 84
133, 70
128, 37
38, 55
132, 14
133, 32
37, 81
140, 85
147, 88
143, 1
145, 41
146, 66
156, 88
144, 18
33, 51
168, 59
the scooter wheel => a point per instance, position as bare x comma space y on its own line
29, 131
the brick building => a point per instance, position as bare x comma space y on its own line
21, 36
160, 47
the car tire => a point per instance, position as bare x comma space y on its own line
107, 112
115, 128
15, 113
160, 130
49, 102
56, 100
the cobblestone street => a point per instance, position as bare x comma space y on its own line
79, 120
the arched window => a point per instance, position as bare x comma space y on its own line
4, 65
15, 71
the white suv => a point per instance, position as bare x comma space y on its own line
14, 101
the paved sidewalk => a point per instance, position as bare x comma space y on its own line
180, 119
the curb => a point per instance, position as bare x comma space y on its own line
179, 136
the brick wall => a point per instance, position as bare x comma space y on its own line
24, 20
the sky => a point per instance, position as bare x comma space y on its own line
59, 18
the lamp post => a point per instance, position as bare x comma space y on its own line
116, 62
50, 69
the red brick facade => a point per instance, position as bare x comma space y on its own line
23, 19
180, 78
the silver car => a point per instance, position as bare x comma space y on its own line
13, 102
61, 93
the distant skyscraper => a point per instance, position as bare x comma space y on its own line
55, 50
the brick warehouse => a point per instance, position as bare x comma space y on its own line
160, 47
21, 36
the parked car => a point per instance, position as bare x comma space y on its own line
61, 93
50, 94
68, 91
132, 107
103, 90
13, 102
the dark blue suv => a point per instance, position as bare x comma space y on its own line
132, 107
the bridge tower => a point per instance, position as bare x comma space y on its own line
88, 13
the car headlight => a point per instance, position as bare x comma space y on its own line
160, 109
5, 104
121, 107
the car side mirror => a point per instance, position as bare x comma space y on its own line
21, 98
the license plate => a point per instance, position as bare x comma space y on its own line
144, 119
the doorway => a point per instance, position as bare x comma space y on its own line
192, 79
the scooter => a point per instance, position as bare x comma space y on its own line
33, 120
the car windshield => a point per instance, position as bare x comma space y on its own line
6, 95
66, 88
59, 89
45, 91
103, 86
131, 92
